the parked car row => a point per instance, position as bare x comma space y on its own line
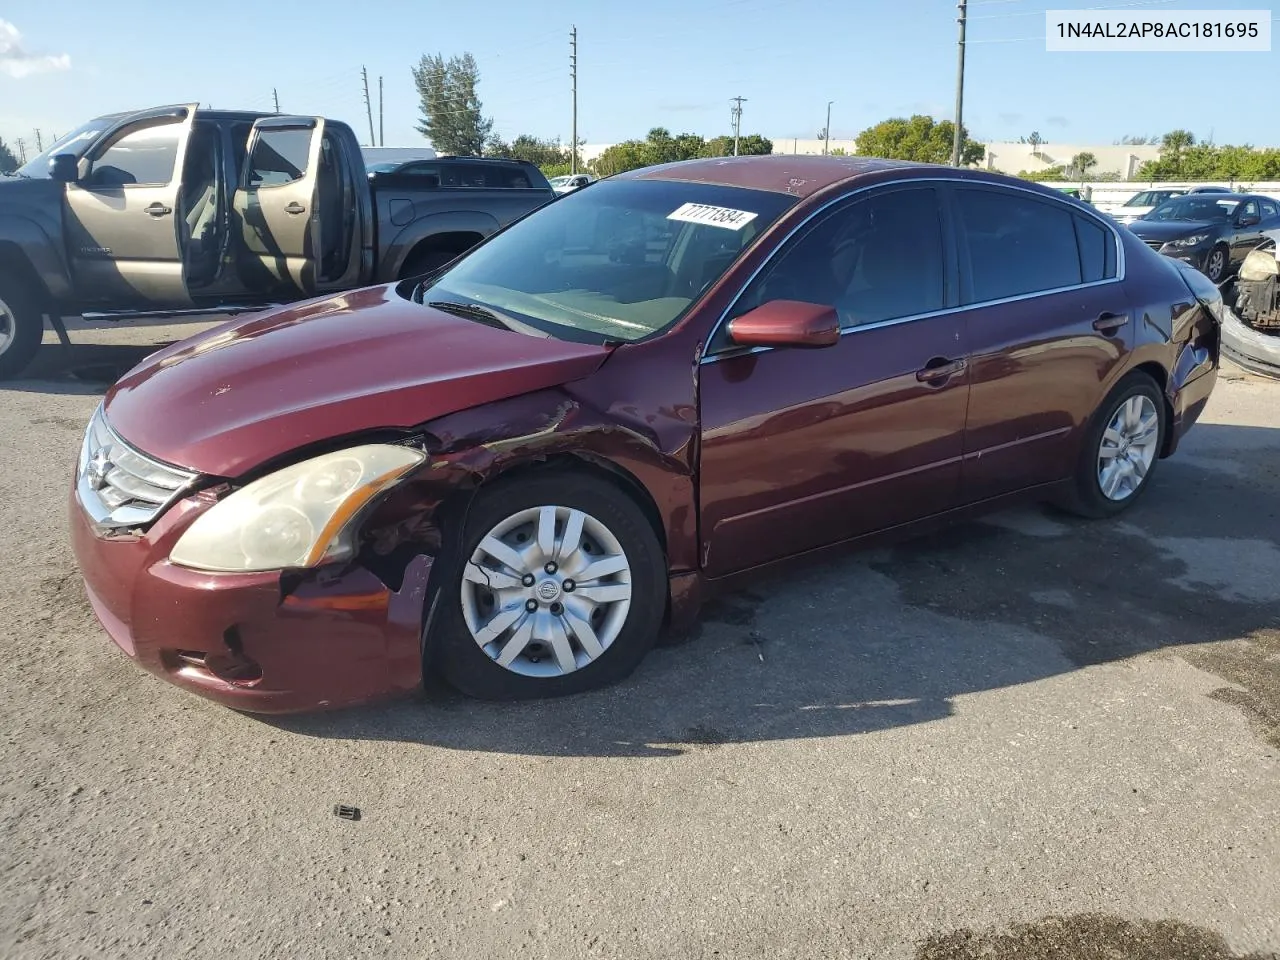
517, 468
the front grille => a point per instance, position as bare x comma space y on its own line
1154, 244
120, 487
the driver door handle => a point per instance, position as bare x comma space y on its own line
158, 209
295, 208
939, 370
1109, 323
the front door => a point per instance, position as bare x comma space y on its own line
124, 235
276, 207
1048, 322
806, 447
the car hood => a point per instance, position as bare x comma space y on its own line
248, 391
25, 191
1167, 230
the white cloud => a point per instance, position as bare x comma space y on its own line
17, 62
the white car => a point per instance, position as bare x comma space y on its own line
571, 182
1139, 205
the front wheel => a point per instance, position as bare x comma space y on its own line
21, 327
559, 587
1121, 449
1215, 268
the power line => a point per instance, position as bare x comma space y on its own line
736, 113
573, 76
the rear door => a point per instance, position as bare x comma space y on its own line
123, 236
1247, 235
1048, 321
276, 206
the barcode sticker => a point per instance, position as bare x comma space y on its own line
725, 217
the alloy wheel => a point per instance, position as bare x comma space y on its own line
1216, 268
546, 591
1128, 448
8, 327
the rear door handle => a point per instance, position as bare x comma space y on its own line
940, 369
159, 210
295, 208
1109, 323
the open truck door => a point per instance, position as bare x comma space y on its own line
276, 207
124, 210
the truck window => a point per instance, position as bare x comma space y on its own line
280, 156
142, 156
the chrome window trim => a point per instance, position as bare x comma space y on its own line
1093, 214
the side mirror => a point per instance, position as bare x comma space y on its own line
1248, 220
786, 323
64, 167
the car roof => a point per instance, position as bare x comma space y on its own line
803, 176
450, 156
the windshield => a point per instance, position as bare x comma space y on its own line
620, 261
1210, 209
77, 141
383, 167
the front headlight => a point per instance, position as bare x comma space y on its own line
1192, 241
296, 517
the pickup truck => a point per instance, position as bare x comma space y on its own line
179, 209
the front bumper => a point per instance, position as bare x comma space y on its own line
259, 642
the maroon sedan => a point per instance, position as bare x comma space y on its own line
517, 469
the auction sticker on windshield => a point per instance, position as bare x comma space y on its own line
725, 217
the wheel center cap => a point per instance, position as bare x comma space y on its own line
548, 591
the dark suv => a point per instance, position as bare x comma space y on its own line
490, 172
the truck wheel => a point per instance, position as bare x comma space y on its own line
21, 327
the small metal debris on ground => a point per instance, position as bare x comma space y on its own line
346, 812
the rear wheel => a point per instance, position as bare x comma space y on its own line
1121, 449
559, 587
21, 326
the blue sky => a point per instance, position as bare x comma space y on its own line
673, 63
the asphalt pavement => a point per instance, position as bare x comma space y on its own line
1025, 737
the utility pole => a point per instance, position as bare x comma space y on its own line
22, 150
737, 121
955, 137
573, 76
368, 107
275, 98
39, 141
382, 133
826, 131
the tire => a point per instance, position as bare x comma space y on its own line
21, 326
1218, 264
1137, 393
617, 633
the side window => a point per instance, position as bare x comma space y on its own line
1269, 209
1250, 209
1097, 250
280, 156
1017, 244
879, 258
144, 155
1142, 200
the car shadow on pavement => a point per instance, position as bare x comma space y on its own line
82, 368
891, 637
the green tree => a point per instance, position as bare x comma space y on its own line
1082, 163
8, 162
751, 145
541, 153
452, 118
1048, 175
918, 138
1035, 140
